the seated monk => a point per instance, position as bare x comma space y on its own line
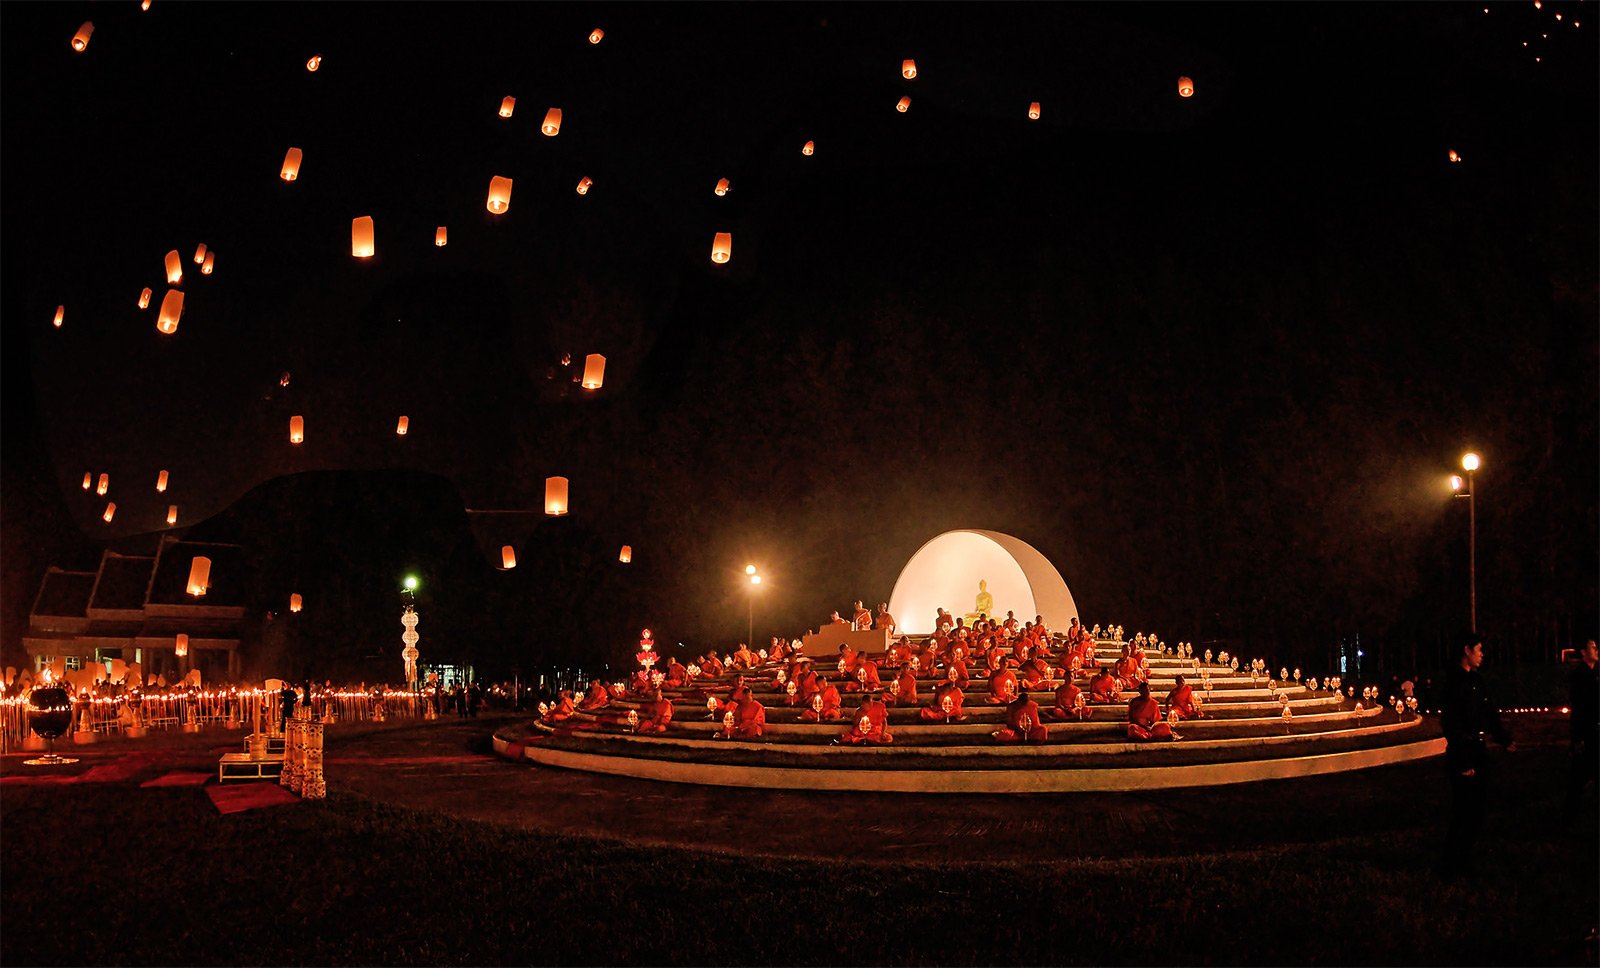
655, 715
861, 620
900, 653
597, 697
946, 705
824, 705
1144, 717
850, 659
1181, 701
956, 671
1023, 723
1034, 674
905, 689
871, 727
747, 720
779, 650
834, 619
1103, 687
866, 679
563, 709
1127, 672
805, 684
677, 675
711, 665
744, 658
1069, 703
1002, 687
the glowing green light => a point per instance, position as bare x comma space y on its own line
411, 583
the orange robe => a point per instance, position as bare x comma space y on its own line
677, 675
1104, 688
877, 725
806, 687
779, 649
830, 706
1066, 706
886, 621
1181, 699
871, 681
863, 620
1002, 686
1144, 720
851, 659
934, 713
744, 659
960, 669
563, 710
712, 666
1034, 674
1128, 671
749, 721
656, 715
905, 691
596, 698
1023, 724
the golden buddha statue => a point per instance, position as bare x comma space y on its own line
984, 606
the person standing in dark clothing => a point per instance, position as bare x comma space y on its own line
1584, 701
287, 697
1468, 715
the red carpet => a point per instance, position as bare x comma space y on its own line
121, 768
248, 796
178, 779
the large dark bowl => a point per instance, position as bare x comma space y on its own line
50, 712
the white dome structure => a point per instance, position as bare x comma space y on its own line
946, 573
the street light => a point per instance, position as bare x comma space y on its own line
1470, 462
755, 582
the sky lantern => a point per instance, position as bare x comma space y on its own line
1454, 156
144, 298
283, 380
174, 268
362, 237
111, 511
295, 603
584, 184
721, 247
88, 480
594, 371
61, 314
499, 195
180, 645
314, 63
297, 429
441, 236
105, 485
1185, 87
144, 4
903, 104
161, 482
200, 254
508, 104
209, 264
403, 425
722, 186
1033, 111
596, 35
552, 122
171, 311
908, 68
80, 40
626, 554
172, 514
808, 148
555, 495
199, 576
508, 557
291, 165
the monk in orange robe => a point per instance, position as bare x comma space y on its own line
1068, 700
711, 665
900, 653
1127, 672
563, 709
597, 697
779, 650
830, 704
655, 715
871, 726
744, 658
834, 619
1023, 723
1144, 717
1034, 674
805, 685
677, 675
1103, 687
1002, 687
956, 672
905, 689
851, 659
861, 620
885, 620
945, 694
1181, 701
749, 721
866, 679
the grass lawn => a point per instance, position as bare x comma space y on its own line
114, 874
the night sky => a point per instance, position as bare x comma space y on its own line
1214, 356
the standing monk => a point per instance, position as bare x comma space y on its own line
885, 620
861, 621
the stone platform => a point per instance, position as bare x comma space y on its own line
1243, 738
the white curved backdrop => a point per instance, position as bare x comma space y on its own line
944, 573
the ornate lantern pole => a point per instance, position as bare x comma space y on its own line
409, 619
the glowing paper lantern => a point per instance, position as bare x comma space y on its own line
144, 4
555, 495
297, 429
552, 122
363, 241
441, 236
171, 311
180, 646
721, 247
808, 148
584, 184
508, 557
174, 268
88, 480
1185, 87
507, 105
209, 264
594, 371
903, 104
402, 426
291, 165
294, 602
1033, 111
595, 35
200, 254
314, 63
61, 314
722, 186
626, 555
80, 40
499, 195
144, 298
111, 510
1454, 157
105, 484
161, 482
172, 514
908, 68
199, 576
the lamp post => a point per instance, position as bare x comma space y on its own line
755, 582
1470, 462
